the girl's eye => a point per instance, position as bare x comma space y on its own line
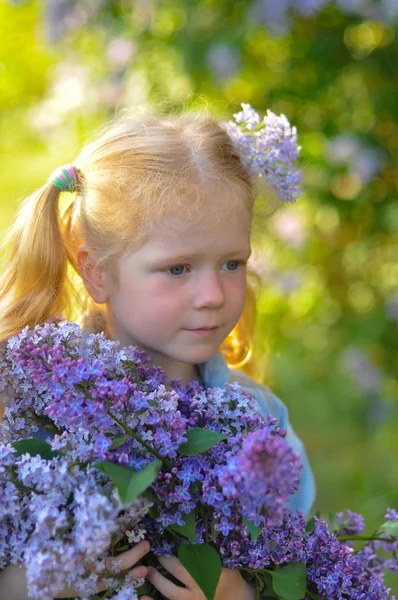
177, 270
231, 265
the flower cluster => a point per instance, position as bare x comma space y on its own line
183, 466
260, 470
268, 149
52, 513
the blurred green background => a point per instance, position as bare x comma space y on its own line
328, 313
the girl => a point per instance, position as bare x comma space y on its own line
158, 230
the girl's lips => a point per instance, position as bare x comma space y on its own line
204, 331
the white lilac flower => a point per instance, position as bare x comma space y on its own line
116, 565
135, 536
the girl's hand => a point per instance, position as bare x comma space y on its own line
126, 560
231, 586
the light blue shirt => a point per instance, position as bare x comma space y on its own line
216, 373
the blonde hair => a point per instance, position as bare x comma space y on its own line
136, 174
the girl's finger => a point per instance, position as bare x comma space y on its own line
140, 571
174, 566
166, 587
127, 559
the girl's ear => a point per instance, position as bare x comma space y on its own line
94, 277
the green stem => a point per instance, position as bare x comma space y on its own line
79, 463
312, 595
121, 549
353, 538
111, 590
140, 441
206, 517
137, 379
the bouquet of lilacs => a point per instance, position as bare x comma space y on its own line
98, 450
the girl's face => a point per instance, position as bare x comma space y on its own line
180, 294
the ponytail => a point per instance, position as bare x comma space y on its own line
32, 287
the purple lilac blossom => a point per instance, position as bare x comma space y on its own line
388, 558
391, 515
63, 513
265, 466
350, 523
268, 149
337, 572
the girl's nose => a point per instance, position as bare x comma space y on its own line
209, 292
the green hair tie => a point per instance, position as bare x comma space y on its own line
64, 178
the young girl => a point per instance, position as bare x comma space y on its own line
159, 232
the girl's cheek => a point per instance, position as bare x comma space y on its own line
166, 286
238, 287
170, 297
171, 293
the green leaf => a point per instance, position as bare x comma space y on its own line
118, 441
34, 447
390, 527
254, 530
290, 581
148, 494
128, 482
203, 563
333, 522
310, 525
200, 440
189, 529
145, 588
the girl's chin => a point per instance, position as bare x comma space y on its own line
200, 353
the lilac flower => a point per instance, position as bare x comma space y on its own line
268, 149
391, 515
224, 526
263, 474
52, 514
337, 572
350, 523
135, 536
388, 557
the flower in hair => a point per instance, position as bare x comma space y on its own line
268, 149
